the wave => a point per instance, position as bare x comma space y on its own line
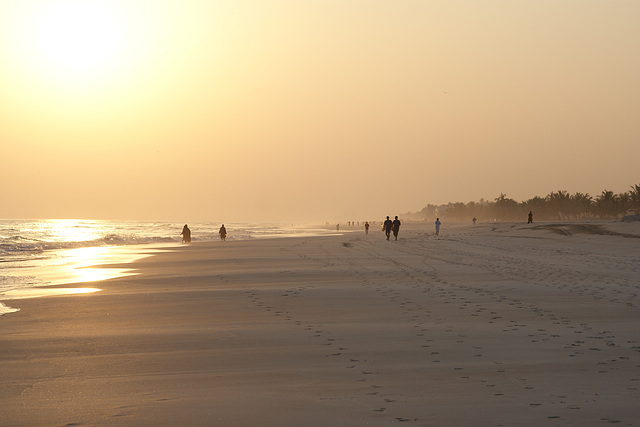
31, 239
17, 245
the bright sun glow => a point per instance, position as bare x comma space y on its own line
65, 44
68, 230
77, 36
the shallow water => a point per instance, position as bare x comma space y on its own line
37, 253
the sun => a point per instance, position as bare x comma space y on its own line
67, 43
76, 36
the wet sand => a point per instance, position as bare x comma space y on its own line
488, 325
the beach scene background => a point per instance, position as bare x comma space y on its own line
502, 135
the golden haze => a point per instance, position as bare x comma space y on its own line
300, 110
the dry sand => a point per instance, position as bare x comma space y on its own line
492, 325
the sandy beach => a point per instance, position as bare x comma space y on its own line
487, 325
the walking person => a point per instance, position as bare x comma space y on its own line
438, 226
186, 234
223, 233
396, 227
388, 224
366, 227
530, 217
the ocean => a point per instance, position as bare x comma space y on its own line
31, 249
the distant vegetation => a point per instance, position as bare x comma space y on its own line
558, 205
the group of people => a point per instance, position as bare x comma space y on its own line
186, 234
389, 227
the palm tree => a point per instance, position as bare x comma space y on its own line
623, 204
539, 206
606, 204
558, 203
581, 204
457, 210
634, 194
506, 208
428, 212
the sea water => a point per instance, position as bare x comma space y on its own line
29, 248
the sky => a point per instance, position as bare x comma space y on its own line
301, 110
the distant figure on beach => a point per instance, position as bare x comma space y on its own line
396, 227
186, 234
387, 226
223, 233
474, 220
530, 217
438, 226
337, 227
366, 227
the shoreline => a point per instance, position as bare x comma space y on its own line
518, 326
83, 264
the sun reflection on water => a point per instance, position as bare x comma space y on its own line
74, 231
67, 230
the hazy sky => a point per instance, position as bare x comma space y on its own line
311, 110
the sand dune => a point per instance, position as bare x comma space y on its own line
497, 324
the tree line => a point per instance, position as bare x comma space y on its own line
558, 205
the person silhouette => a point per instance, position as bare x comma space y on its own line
438, 226
186, 234
223, 233
396, 227
366, 227
388, 224
530, 217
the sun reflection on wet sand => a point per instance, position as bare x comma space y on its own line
90, 264
93, 264
45, 292
80, 265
